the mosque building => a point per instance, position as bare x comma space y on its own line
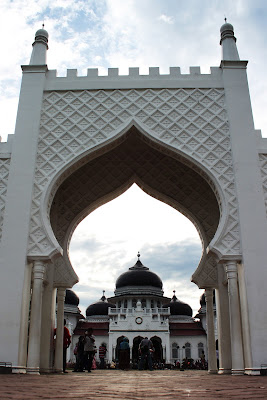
139, 309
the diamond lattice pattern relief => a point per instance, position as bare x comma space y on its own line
194, 121
4, 172
263, 165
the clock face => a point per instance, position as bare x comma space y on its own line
138, 320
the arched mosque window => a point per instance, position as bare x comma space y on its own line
158, 304
152, 303
134, 302
174, 350
119, 304
144, 303
187, 350
125, 304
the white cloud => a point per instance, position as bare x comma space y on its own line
166, 18
106, 243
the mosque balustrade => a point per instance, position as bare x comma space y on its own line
146, 311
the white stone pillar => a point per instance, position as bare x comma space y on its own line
168, 352
48, 321
110, 347
235, 319
223, 321
33, 364
61, 292
212, 360
244, 320
24, 322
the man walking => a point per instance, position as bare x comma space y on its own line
146, 348
89, 349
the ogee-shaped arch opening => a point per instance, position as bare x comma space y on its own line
162, 174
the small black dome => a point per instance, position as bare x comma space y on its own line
99, 308
71, 298
138, 275
178, 307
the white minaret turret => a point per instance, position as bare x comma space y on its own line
228, 43
40, 48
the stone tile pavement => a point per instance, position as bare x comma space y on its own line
133, 385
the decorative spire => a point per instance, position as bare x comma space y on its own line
228, 42
174, 298
40, 47
138, 264
103, 298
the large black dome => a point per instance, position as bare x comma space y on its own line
138, 275
99, 308
178, 307
71, 298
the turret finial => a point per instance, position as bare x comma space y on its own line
228, 42
138, 255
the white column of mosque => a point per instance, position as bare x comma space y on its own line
33, 363
212, 360
223, 323
235, 319
61, 292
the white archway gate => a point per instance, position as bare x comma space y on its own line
187, 140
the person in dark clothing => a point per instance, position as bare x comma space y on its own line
79, 355
102, 353
124, 354
145, 348
89, 349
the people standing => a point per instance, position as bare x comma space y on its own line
102, 353
89, 349
66, 343
79, 355
124, 354
145, 349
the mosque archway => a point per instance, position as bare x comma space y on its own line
158, 171
157, 347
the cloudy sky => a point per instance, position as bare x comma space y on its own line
122, 34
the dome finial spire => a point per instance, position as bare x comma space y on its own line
228, 42
39, 47
103, 298
138, 255
174, 298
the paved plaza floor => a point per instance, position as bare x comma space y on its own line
133, 385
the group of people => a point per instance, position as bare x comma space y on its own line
85, 351
145, 350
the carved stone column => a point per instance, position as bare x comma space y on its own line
235, 319
168, 350
33, 364
223, 321
212, 360
25, 310
61, 292
48, 321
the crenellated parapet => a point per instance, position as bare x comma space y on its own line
113, 80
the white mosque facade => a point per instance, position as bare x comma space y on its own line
80, 141
139, 309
